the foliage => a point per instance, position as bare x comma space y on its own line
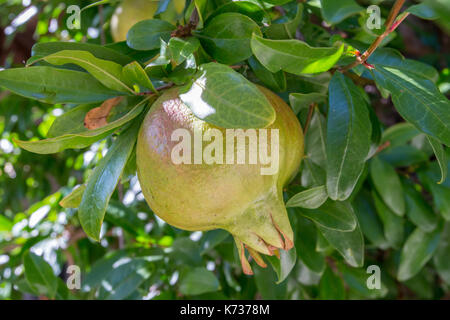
373, 188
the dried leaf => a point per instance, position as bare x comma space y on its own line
96, 118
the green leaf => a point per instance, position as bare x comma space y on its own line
285, 30
226, 38
73, 199
309, 199
399, 134
5, 224
221, 96
305, 243
393, 224
331, 286
178, 50
301, 101
81, 139
294, 56
212, 238
275, 81
356, 279
249, 8
417, 251
107, 72
424, 11
336, 11
40, 275
146, 35
134, 74
440, 259
125, 278
53, 85
198, 281
333, 215
441, 157
418, 211
265, 280
388, 57
349, 244
103, 181
44, 49
371, 225
388, 185
348, 137
418, 101
284, 265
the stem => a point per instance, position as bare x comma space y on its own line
389, 22
308, 119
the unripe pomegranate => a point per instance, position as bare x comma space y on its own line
234, 197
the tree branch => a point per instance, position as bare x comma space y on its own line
389, 24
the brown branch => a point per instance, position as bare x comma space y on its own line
389, 23
308, 119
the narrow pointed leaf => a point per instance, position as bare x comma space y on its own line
348, 137
146, 35
309, 199
418, 101
388, 185
417, 251
80, 139
332, 215
441, 157
107, 72
103, 181
53, 85
294, 56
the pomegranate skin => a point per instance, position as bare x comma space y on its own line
234, 197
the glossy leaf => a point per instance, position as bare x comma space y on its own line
418, 211
304, 100
103, 181
284, 265
305, 243
335, 11
393, 224
441, 157
198, 281
44, 49
348, 137
221, 96
53, 85
73, 199
309, 199
294, 56
418, 101
333, 215
107, 72
226, 37
274, 81
349, 244
82, 139
388, 185
417, 251
146, 35
371, 224
331, 286
40, 275
134, 74
285, 29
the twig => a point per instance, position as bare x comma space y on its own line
102, 22
308, 119
389, 28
